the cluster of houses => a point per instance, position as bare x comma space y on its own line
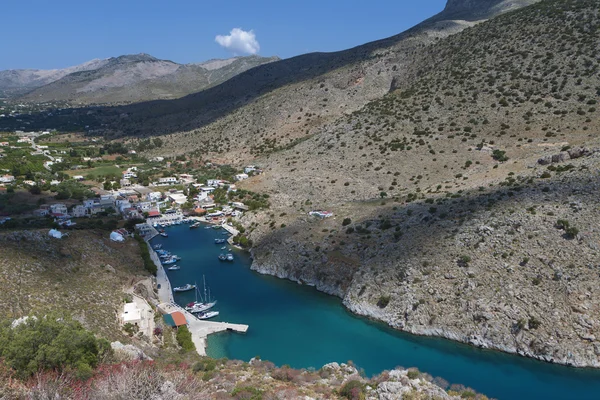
145, 202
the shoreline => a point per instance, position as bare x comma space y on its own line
441, 333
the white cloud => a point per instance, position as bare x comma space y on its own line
239, 41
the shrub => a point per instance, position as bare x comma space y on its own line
184, 338
353, 390
499, 155
413, 373
50, 343
148, 263
247, 393
346, 221
383, 301
463, 261
206, 364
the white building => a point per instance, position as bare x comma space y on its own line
131, 314
241, 177
170, 180
249, 168
7, 179
178, 198
58, 208
214, 182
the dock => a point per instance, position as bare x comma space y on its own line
200, 329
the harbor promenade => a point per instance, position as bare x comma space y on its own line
199, 329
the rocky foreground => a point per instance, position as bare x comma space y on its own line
219, 379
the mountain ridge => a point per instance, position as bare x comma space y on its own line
122, 79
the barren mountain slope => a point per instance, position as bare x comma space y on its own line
470, 193
15, 81
134, 78
282, 101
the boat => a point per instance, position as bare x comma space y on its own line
216, 226
223, 248
195, 225
202, 305
169, 261
174, 268
208, 227
206, 314
220, 241
222, 257
184, 288
163, 234
157, 246
229, 257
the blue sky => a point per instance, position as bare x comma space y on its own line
56, 34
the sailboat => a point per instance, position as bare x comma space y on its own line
202, 305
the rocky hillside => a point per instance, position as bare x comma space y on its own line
83, 275
134, 78
464, 200
18, 81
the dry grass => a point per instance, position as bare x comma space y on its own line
83, 275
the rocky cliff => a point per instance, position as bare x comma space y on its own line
463, 201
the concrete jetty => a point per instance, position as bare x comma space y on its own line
200, 329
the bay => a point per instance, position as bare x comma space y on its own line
296, 325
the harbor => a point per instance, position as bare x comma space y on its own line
199, 329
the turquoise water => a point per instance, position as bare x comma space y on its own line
299, 326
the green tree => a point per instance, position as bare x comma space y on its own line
52, 342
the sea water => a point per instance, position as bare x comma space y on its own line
296, 325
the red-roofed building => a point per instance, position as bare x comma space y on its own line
175, 319
153, 213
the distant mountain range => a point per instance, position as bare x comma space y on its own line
123, 79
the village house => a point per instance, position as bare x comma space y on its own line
107, 200
41, 212
125, 182
91, 203
154, 196
7, 179
177, 197
214, 182
170, 180
58, 209
239, 206
4, 144
241, 177
143, 229
78, 211
144, 206
78, 177
29, 182
129, 174
186, 178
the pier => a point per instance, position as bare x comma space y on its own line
200, 329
